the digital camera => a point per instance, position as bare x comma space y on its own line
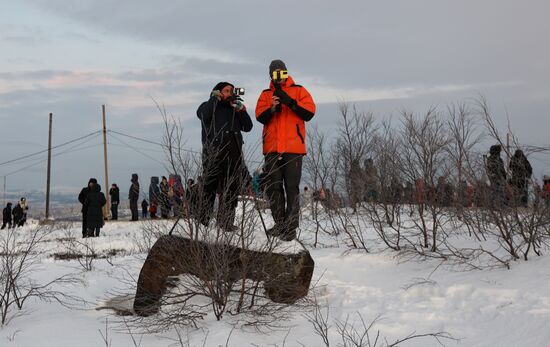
238, 91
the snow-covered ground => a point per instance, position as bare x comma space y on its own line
496, 307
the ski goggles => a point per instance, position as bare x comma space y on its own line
278, 75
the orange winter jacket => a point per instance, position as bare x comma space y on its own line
285, 131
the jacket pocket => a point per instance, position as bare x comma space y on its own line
299, 133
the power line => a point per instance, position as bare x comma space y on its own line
70, 150
135, 149
164, 146
45, 150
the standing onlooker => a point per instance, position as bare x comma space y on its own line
164, 198
355, 184
133, 195
223, 117
520, 172
114, 193
283, 109
25, 207
6, 216
154, 196
144, 206
94, 210
496, 174
371, 180
17, 213
82, 198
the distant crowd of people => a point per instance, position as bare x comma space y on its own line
169, 197
512, 189
16, 217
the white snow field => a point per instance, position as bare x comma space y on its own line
491, 307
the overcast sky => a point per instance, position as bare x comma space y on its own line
70, 57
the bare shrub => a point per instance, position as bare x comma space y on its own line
20, 256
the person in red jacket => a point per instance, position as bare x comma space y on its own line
283, 109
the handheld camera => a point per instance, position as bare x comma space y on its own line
238, 91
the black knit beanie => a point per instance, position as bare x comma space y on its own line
222, 85
276, 64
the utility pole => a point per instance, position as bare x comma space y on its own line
106, 207
49, 169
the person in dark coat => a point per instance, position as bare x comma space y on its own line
6, 216
144, 206
133, 195
164, 198
82, 199
154, 196
223, 117
17, 214
25, 207
496, 174
520, 172
114, 193
94, 210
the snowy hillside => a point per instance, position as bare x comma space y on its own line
490, 307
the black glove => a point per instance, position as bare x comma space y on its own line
285, 99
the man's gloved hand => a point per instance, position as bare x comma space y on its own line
238, 105
285, 98
217, 94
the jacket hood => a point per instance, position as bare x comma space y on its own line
92, 180
154, 180
134, 178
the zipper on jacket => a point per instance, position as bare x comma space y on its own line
299, 134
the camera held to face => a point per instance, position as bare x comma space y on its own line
238, 91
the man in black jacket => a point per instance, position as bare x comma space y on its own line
497, 175
6, 216
520, 172
114, 192
95, 200
222, 117
133, 195
82, 199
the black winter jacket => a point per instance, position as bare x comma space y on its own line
224, 121
17, 213
94, 204
115, 195
6, 214
133, 194
82, 198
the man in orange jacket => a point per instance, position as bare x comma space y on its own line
283, 109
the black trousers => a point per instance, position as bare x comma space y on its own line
114, 210
84, 224
93, 232
134, 208
284, 172
223, 172
4, 225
